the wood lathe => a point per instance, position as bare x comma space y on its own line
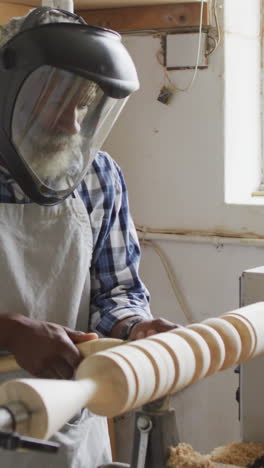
126, 376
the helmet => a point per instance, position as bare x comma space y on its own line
62, 85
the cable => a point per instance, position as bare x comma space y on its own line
186, 235
171, 276
216, 20
190, 85
216, 41
217, 23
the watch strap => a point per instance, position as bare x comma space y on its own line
127, 328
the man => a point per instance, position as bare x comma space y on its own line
69, 254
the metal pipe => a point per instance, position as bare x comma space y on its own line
202, 239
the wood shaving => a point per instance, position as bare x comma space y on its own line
238, 453
184, 456
241, 454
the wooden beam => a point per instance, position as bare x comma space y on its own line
11, 10
158, 17
99, 4
125, 19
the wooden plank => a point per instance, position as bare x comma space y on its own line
125, 19
10, 10
159, 17
98, 4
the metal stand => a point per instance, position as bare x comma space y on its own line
155, 431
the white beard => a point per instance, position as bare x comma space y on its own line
54, 159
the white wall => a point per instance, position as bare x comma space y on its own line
173, 160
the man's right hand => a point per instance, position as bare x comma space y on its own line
44, 349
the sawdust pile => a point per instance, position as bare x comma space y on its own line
184, 456
236, 453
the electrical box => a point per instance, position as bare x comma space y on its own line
182, 51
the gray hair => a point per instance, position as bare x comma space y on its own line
10, 29
49, 15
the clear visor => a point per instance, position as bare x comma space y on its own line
60, 121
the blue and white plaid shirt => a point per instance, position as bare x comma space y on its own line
116, 289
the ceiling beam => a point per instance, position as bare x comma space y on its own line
145, 18
11, 10
178, 16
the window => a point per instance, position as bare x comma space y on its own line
242, 101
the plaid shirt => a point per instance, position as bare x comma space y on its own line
116, 289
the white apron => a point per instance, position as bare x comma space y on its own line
45, 255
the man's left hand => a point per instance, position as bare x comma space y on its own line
151, 327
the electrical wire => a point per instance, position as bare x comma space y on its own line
190, 85
147, 235
217, 23
216, 40
178, 294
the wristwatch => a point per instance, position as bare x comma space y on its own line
127, 328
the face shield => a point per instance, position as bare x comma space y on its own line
62, 86
60, 121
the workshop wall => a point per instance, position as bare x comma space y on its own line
173, 160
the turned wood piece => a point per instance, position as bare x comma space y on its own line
87, 348
9, 364
231, 339
51, 403
215, 344
182, 355
163, 365
246, 333
143, 372
255, 317
110, 389
116, 380
116, 383
201, 351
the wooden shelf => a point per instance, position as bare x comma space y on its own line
157, 16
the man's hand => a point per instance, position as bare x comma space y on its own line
144, 328
151, 327
44, 349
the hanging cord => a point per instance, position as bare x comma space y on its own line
190, 85
166, 74
171, 276
216, 40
